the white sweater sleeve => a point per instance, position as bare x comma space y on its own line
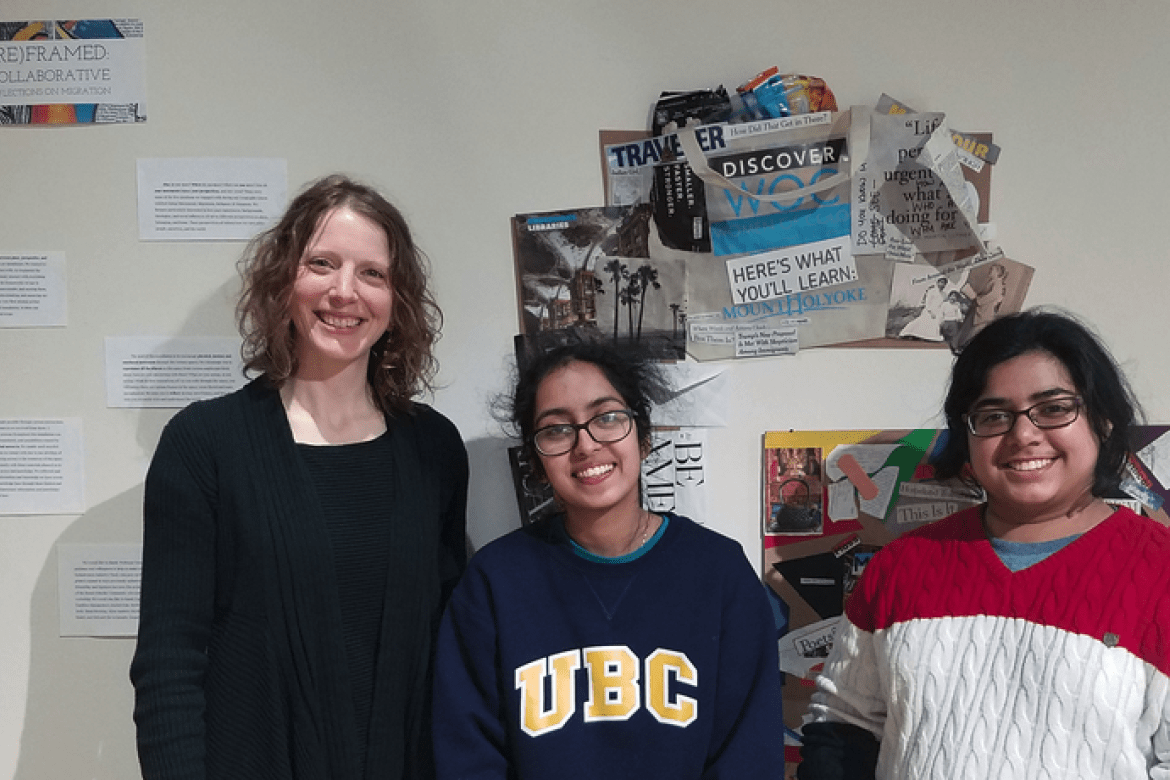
851, 689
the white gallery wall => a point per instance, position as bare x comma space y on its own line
466, 112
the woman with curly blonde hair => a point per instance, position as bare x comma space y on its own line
302, 534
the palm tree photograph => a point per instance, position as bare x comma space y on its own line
588, 271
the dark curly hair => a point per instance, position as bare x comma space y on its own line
1109, 402
401, 364
634, 375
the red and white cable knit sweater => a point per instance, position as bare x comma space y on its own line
963, 669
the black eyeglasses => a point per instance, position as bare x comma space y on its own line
605, 428
1049, 414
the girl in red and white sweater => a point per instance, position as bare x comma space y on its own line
1028, 637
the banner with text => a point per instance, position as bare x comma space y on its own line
82, 71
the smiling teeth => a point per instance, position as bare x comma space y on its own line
340, 322
595, 471
1030, 465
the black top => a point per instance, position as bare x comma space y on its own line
241, 667
355, 488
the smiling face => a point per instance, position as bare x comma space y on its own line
1035, 479
590, 480
341, 299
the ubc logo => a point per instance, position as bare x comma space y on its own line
614, 677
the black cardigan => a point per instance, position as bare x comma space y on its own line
240, 669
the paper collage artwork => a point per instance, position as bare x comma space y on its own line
792, 231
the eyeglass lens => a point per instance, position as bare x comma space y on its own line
604, 428
1048, 414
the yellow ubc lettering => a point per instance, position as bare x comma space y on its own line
659, 665
616, 678
614, 693
536, 717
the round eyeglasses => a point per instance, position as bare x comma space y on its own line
605, 428
1049, 414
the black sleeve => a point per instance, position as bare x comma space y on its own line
450, 458
837, 751
176, 605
